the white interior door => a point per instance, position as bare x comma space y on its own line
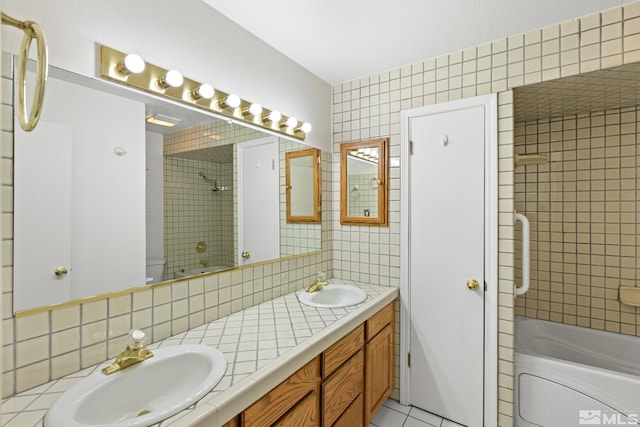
446, 251
42, 171
258, 201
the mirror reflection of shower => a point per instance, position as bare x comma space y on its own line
214, 187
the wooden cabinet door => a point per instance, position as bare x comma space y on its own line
379, 371
304, 414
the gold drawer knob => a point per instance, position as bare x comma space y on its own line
472, 284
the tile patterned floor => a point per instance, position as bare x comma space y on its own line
393, 414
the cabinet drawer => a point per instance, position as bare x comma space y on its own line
379, 320
353, 416
339, 390
273, 405
304, 414
335, 355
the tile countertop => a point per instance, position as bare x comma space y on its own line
263, 344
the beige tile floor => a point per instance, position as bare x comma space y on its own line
393, 414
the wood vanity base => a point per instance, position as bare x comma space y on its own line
345, 386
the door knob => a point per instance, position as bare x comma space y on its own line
60, 271
246, 255
472, 284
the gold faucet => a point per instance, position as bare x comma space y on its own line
319, 283
132, 354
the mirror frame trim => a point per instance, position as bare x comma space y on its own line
383, 200
304, 219
136, 289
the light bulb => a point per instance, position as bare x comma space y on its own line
232, 101
132, 63
274, 116
173, 78
306, 127
205, 91
255, 109
291, 122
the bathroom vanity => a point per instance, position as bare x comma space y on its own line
343, 386
288, 364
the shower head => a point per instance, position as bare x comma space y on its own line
210, 181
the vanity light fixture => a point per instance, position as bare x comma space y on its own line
366, 154
204, 91
232, 101
131, 64
172, 78
254, 109
133, 71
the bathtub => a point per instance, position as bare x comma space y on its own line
572, 376
196, 271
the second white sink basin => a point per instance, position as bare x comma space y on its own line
333, 296
143, 394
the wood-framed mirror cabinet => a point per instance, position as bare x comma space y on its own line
363, 183
303, 198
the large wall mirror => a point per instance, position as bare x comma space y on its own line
117, 189
363, 183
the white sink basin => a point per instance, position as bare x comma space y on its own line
143, 394
333, 296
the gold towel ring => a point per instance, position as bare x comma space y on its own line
31, 31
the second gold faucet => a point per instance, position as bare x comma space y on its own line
320, 282
134, 353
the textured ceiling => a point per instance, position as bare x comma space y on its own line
340, 40
601, 90
219, 154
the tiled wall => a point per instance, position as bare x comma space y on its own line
39, 347
582, 205
362, 109
370, 107
213, 134
194, 213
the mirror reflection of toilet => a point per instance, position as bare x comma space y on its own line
155, 269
